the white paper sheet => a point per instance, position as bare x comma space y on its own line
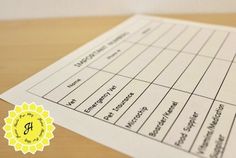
150, 87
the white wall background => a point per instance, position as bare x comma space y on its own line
21, 9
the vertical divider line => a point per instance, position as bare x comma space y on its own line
226, 142
162, 70
212, 103
119, 70
194, 88
169, 88
106, 64
124, 27
138, 72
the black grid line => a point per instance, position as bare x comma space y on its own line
121, 68
194, 87
231, 127
212, 102
186, 52
109, 62
150, 83
165, 86
108, 39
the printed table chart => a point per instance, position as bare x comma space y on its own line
167, 81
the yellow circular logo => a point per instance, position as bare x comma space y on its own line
28, 128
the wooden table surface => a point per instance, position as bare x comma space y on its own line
27, 46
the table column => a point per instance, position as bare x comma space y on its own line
159, 122
185, 128
212, 138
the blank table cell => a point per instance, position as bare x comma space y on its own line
174, 70
156, 34
157, 65
228, 92
213, 44
213, 78
170, 36
184, 38
139, 63
190, 78
198, 41
228, 50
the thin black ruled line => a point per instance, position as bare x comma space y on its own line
95, 60
159, 73
106, 40
131, 79
156, 140
51, 101
134, 78
153, 139
185, 52
227, 139
93, 74
173, 84
152, 83
196, 55
84, 68
161, 85
123, 67
212, 104
110, 62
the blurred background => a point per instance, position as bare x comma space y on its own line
30, 9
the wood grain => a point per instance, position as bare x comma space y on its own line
27, 46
